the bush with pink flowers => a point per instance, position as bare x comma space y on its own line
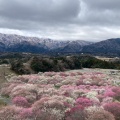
97, 113
109, 93
9, 113
114, 108
75, 113
116, 90
20, 101
26, 113
85, 102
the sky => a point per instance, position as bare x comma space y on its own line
91, 20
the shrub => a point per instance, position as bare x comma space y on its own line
20, 101
117, 92
107, 100
18, 67
48, 114
95, 113
79, 82
114, 108
109, 93
48, 109
26, 113
85, 102
75, 113
9, 113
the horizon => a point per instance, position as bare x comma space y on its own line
87, 20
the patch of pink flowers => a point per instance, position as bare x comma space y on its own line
20, 101
61, 95
85, 102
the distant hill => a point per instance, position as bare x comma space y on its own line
108, 47
73, 47
17, 43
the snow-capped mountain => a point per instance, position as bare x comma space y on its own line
73, 47
17, 43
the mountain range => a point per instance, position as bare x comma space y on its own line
110, 47
17, 43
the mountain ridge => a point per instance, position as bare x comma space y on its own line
106, 47
14, 43
17, 43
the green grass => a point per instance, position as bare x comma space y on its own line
2, 103
5, 73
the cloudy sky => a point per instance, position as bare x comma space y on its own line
92, 20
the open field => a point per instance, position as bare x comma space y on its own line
108, 59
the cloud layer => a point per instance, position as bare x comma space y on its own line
61, 19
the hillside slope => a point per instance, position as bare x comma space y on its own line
107, 47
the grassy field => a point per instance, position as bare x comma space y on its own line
5, 73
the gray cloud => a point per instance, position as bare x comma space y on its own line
103, 4
101, 13
42, 10
61, 19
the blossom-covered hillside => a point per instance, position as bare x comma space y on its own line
72, 95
